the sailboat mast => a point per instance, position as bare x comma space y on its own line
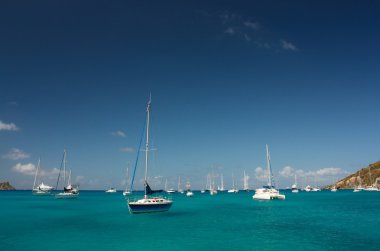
370, 176
35, 177
64, 166
128, 181
147, 142
269, 167
69, 180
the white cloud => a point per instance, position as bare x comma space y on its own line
287, 172
322, 176
247, 38
329, 171
252, 25
119, 133
230, 31
13, 103
262, 44
52, 173
261, 174
16, 154
127, 149
8, 127
78, 179
26, 169
288, 46
30, 169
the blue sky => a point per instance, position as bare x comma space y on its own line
226, 77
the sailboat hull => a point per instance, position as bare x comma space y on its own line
41, 193
154, 205
66, 195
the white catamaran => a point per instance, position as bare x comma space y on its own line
40, 189
148, 204
268, 192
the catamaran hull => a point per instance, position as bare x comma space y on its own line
136, 208
268, 197
267, 194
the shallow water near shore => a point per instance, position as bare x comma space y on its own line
99, 221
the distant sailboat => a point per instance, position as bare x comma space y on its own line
371, 187
40, 189
359, 187
233, 189
294, 186
221, 188
213, 191
308, 188
127, 187
111, 190
189, 193
268, 192
69, 192
171, 190
245, 182
180, 190
148, 204
333, 188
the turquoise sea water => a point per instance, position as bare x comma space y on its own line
100, 221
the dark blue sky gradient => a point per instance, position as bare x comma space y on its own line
73, 72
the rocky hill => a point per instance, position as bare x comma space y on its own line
6, 186
369, 175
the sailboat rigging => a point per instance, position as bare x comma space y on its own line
69, 192
41, 189
268, 192
148, 204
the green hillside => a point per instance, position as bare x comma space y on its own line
367, 176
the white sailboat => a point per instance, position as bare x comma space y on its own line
213, 191
189, 193
69, 192
245, 182
359, 187
111, 190
294, 186
128, 184
171, 190
221, 188
333, 188
180, 190
148, 204
371, 187
308, 188
268, 192
40, 189
233, 189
